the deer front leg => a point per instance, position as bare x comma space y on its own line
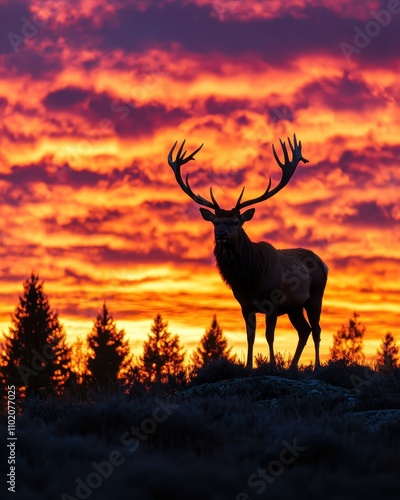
269, 335
250, 319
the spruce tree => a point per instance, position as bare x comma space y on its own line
388, 354
348, 341
213, 346
162, 354
36, 358
109, 353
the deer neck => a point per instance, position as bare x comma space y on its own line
239, 263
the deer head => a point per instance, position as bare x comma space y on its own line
228, 223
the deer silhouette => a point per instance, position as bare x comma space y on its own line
262, 278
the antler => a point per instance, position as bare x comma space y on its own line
288, 169
176, 167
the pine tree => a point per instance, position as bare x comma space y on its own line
213, 346
36, 358
387, 355
162, 354
348, 341
109, 353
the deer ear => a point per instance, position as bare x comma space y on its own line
207, 214
248, 215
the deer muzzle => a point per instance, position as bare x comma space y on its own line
221, 236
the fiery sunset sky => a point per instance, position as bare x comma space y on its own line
92, 97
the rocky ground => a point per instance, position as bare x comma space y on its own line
229, 435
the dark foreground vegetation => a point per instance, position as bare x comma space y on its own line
227, 434
94, 423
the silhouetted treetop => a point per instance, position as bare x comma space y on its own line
109, 353
348, 341
36, 357
388, 353
213, 346
163, 355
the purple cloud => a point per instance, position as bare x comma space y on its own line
65, 98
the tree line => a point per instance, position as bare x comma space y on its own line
36, 358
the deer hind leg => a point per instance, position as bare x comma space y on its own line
250, 319
269, 335
313, 307
300, 323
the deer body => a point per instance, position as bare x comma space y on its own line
261, 283
263, 279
